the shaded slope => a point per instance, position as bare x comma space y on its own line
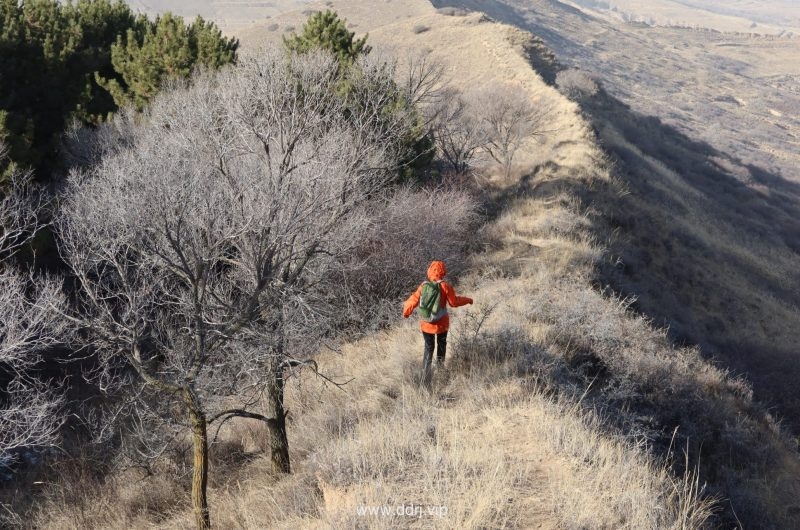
709, 231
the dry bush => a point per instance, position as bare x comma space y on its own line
452, 12
509, 119
408, 229
193, 230
576, 85
30, 415
458, 131
128, 500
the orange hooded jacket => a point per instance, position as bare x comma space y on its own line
436, 273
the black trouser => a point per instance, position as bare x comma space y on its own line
440, 341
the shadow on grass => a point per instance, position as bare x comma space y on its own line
707, 244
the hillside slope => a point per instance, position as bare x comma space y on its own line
705, 146
559, 407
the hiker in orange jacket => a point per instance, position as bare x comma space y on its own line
435, 331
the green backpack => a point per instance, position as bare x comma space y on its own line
430, 302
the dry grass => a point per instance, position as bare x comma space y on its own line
506, 438
774, 17
559, 407
489, 444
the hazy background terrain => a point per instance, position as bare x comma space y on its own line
229, 15
738, 92
777, 17
704, 129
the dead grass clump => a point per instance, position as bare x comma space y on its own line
130, 499
664, 395
227, 457
452, 12
576, 85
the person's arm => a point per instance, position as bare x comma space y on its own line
453, 300
412, 302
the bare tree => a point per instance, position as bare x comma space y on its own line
423, 80
83, 147
459, 132
197, 248
509, 119
28, 325
409, 228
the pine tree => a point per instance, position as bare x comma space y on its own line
101, 21
38, 44
328, 32
151, 53
81, 59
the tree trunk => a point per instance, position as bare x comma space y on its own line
278, 441
200, 471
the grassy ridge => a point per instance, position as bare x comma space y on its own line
560, 407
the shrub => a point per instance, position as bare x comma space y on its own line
452, 12
409, 229
575, 84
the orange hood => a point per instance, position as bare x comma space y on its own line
436, 271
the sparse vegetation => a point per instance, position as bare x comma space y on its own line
507, 119
561, 405
458, 132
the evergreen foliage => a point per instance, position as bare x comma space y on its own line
101, 21
152, 52
328, 32
38, 44
57, 59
